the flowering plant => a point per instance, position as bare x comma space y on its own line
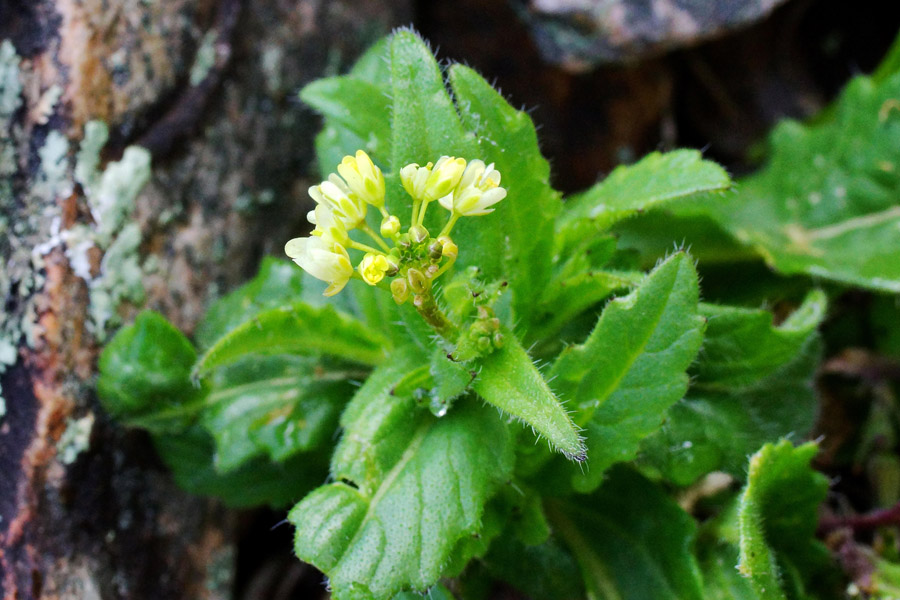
477, 342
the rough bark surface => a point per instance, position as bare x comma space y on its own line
208, 87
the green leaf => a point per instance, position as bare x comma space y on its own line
409, 486
631, 541
523, 223
721, 581
826, 204
631, 369
356, 106
543, 572
654, 181
510, 381
190, 456
274, 405
778, 515
145, 375
277, 283
298, 329
425, 124
752, 384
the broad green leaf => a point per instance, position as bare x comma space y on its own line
631, 369
275, 406
545, 571
523, 222
437, 592
778, 515
145, 375
277, 283
510, 381
631, 541
190, 456
409, 486
752, 384
826, 203
301, 329
357, 106
721, 580
654, 181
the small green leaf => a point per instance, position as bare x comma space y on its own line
301, 329
510, 381
145, 375
274, 405
631, 541
522, 224
778, 515
721, 580
409, 487
752, 384
277, 283
631, 369
654, 181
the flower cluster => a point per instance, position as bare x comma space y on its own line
411, 259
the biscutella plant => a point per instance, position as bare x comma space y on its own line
470, 380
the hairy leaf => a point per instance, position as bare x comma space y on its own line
631, 541
752, 384
301, 329
409, 487
652, 182
631, 369
778, 515
510, 381
523, 222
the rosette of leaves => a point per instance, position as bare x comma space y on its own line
545, 463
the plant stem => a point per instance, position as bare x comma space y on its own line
364, 227
433, 315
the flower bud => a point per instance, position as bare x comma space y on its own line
399, 290
418, 234
390, 226
373, 267
444, 177
417, 281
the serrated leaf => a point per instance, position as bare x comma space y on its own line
297, 329
190, 456
410, 486
632, 367
752, 384
523, 223
631, 541
274, 405
510, 381
652, 182
778, 515
277, 283
826, 204
145, 375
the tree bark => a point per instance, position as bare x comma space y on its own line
208, 87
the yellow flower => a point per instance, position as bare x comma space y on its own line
363, 178
413, 178
444, 177
328, 262
328, 226
373, 267
478, 190
336, 195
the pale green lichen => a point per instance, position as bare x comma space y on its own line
10, 102
205, 58
96, 133
75, 439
